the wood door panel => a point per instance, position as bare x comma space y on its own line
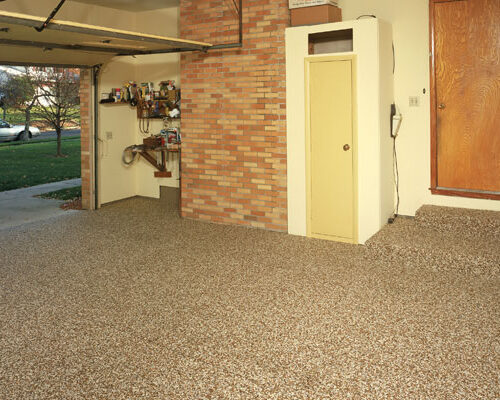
467, 83
331, 168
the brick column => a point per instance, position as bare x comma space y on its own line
87, 139
234, 115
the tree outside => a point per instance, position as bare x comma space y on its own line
47, 98
17, 92
48, 94
57, 92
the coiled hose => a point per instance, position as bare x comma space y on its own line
134, 149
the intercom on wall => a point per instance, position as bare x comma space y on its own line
396, 120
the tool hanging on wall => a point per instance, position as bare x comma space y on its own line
155, 150
145, 117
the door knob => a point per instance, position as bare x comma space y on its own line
442, 106
346, 147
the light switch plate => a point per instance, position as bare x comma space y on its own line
414, 101
109, 135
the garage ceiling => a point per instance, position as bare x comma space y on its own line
75, 44
132, 5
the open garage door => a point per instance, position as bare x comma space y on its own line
64, 43
32, 40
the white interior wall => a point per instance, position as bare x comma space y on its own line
116, 132
122, 120
410, 25
386, 93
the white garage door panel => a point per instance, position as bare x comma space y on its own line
71, 43
13, 55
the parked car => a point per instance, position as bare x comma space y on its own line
10, 132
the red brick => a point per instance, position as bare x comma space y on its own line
86, 142
233, 125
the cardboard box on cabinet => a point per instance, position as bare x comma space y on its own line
315, 15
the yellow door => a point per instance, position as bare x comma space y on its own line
330, 158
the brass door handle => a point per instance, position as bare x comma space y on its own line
347, 147
442, 106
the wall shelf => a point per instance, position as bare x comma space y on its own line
115, 104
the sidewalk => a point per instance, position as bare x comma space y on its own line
18, 207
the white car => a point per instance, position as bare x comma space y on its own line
10, 132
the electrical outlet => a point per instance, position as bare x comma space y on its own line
109, 135
414, 101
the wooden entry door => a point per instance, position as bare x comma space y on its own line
465, 93
329, 149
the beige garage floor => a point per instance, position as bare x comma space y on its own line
131, 302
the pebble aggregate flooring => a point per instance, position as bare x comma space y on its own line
132, 302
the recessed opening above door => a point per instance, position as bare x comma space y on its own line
340, 41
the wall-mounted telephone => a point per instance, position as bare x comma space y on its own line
396, 120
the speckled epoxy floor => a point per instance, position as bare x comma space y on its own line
133, 303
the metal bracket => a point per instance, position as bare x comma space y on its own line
51, 16
96, 69
240, 33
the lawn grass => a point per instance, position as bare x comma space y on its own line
35, 163
64, 194
18, 117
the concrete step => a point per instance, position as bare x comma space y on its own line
442, 240
471, 223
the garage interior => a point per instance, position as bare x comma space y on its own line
162, 291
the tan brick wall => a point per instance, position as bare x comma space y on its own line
233, 115
86, 139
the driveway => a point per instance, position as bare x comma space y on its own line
52, 134
18, 207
